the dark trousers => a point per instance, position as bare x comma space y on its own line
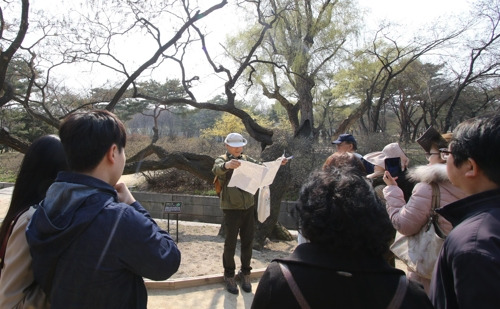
242, 222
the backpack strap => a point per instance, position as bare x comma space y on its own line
436, 200
5, 240
400, 293
293, 286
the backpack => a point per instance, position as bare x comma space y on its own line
217, 185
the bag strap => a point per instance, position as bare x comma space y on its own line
400, 293
5, 240
436, 199
293, 286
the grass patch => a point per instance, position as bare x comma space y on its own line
9, 166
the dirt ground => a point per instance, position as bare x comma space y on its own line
201, 249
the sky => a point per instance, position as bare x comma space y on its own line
410, 14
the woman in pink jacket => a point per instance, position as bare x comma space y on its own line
409, 217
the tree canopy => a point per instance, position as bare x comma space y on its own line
312, 60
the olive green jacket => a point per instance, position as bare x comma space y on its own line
232, 197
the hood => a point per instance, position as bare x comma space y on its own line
68, 209
62, 200
56, 214
429, 173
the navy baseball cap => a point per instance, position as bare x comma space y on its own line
344, 138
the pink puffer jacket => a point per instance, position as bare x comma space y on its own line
409, 218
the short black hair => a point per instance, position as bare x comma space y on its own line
339, 209
479, 139
87, 136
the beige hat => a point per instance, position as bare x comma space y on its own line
392, 150
235, 140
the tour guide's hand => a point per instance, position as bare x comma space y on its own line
124, 194
232, 164
389, 180
285, 159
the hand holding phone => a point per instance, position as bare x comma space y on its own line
389, 180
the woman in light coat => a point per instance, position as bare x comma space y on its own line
408, 218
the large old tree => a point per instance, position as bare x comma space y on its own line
290, 51
93, 36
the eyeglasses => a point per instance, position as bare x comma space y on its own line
445, 153
429, 154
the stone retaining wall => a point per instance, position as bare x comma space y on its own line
6, 184
197, 208
200, 208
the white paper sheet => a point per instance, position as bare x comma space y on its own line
250, 176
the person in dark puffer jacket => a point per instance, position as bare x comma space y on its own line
343, 265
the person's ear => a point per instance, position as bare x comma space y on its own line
111, 153
471, 168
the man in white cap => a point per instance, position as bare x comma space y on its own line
239, 213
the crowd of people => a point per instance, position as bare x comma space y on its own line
348, 221
74, 237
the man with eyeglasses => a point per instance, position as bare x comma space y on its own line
468, 268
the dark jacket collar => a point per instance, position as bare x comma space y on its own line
460, 210
319, 256
77, 178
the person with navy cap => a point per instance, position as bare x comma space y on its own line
347, 143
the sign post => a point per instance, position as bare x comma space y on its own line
172, 208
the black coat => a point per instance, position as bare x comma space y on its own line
468, 268
329, 280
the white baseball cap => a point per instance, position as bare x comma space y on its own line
235, 140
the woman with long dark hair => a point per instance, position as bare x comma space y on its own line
42, 161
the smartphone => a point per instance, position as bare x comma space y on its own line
393, 165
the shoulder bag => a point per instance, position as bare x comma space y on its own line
420, 251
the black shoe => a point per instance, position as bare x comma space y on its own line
231, 285
246, 285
